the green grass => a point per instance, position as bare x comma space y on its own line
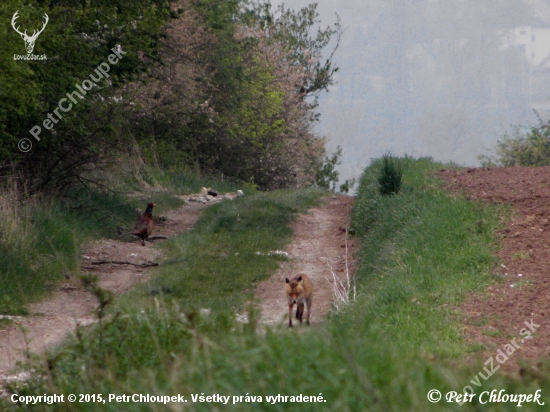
217, 265
41, 240
390, 176
38, 246
187, 182
423, 251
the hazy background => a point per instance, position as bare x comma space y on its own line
444, 78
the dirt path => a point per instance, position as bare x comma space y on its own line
52, 319
497, 316
319, 238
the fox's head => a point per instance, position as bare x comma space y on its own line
294, 289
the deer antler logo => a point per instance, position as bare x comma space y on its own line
29, 40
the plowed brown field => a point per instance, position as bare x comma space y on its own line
498, 315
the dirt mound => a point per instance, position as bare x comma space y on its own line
497, 316
318, 245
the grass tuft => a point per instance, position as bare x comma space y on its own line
390, 175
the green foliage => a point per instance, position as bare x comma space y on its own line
292, 28
205, 86
326, 174
77, 39
254, 130
390, 176
247, 117
37, 248
19, 89
187, 183
524, 147
347, 185
41, 240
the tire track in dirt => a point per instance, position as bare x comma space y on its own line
319, 238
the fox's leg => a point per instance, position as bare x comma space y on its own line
290, 315
300, 311
308, 303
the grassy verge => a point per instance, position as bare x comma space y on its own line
41, 240
422, 252
35, 252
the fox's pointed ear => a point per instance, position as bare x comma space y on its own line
299, 279
287, 281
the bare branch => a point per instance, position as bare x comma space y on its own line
124, 262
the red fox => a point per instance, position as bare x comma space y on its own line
298, 290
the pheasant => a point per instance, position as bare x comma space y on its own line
144, 226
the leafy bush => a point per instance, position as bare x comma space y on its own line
522, 148
326, 175
233, 94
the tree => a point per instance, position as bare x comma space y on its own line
203, 84
291, 30
229, 94
78, 38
